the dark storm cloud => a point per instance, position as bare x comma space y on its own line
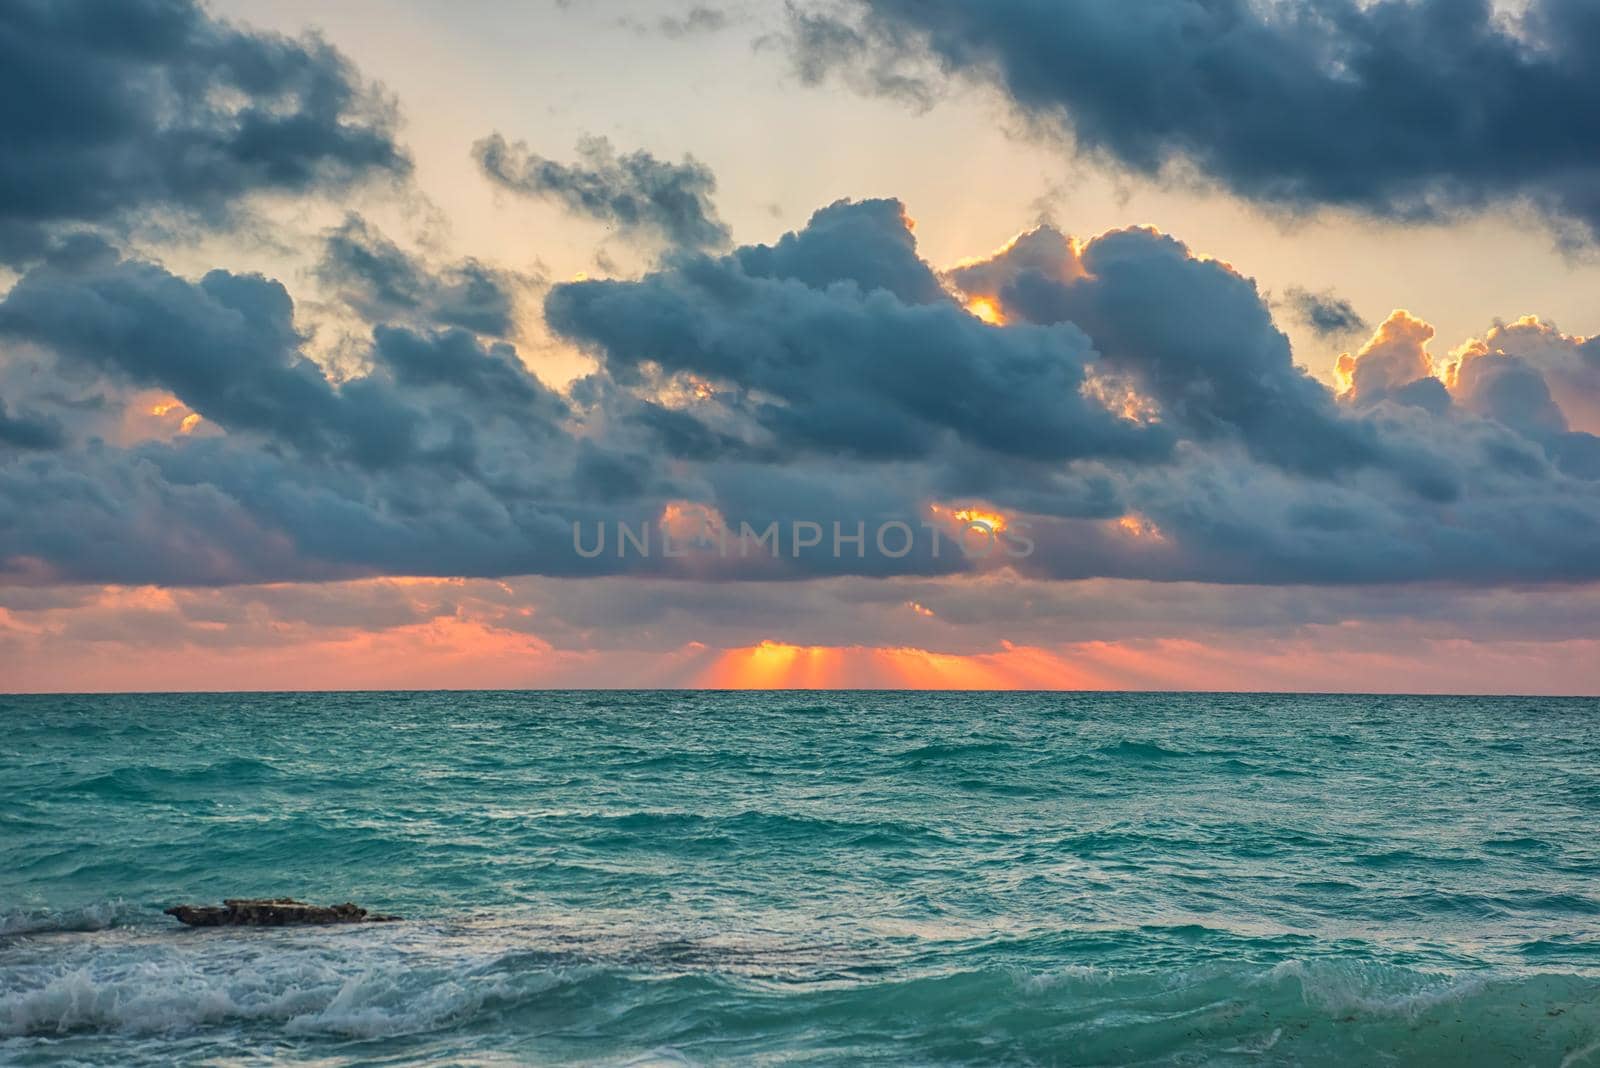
491, 376
1138, 409
852, 370
1272, 479
684, 436
636, 193
1409, 109
21, 431
227, 347
1196, 336
445, 457
382, 282
119, 107
1329, 314
213, 511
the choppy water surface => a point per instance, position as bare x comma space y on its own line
801, 878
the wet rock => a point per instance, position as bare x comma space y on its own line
272, 912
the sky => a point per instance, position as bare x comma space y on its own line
947, 344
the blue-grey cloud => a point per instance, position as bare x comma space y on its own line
1195, 335
1510, 391
117, 108
1329, 314
636, 193
383, 282
884, 370
867, 242
226, 346
1409, 109
22, 431
492, 377
1137, 406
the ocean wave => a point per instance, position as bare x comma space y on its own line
1144, 752
942, 751
94, 917
141, 782
699, 830
422, 983
303, 990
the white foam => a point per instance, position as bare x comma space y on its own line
1336, 988
344, 988
95, 917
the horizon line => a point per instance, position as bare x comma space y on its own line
804, 690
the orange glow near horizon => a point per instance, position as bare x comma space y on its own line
777, 666
454, 633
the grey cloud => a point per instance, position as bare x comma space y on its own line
820, 44
1329, 314
23, 431
383, 282
1301, 103
227, 347
636, 192
868, 242
1199, 338
862, 374
1044, 250
1509, 390
492, 376
826, 377
123, 107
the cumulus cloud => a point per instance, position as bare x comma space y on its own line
1409, 110
120, 108
852, 348
226, 346
1196, 335
1569, 365
636, 193
1132, 403
1394, 364
383, 282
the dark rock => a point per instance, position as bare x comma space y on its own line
272, 912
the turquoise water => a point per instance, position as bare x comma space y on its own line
803, 878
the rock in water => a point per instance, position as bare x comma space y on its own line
272, 912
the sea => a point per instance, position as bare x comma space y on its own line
678, 878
